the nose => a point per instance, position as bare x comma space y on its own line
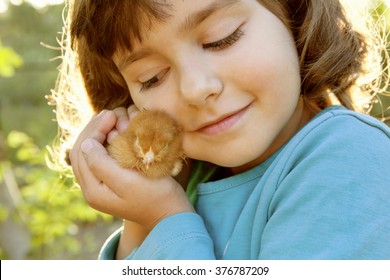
199, 83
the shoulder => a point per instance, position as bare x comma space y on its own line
338, 147
340, 130
339, 119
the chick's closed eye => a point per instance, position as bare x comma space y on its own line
151, 144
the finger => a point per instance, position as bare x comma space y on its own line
95, 190
132, 111
122, 118
98, 195
111, 135
96, 129
105, 168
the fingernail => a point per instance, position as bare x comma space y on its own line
104, 111
87, 145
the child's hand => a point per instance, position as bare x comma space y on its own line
121, 192
123, 116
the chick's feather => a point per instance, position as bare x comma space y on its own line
151, 144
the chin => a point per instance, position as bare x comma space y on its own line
229, 162
235, 154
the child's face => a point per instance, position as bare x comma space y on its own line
228, 71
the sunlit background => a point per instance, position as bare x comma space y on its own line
42, 215
37, 4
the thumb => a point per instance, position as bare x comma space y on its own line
96, 156
101, 164
88, 144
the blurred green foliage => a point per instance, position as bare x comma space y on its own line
51, 215
52, 209
9, 61
22, 104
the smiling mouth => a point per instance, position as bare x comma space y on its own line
222, 124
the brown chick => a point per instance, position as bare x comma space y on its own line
151, 144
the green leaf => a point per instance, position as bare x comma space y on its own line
9, 60
16, 139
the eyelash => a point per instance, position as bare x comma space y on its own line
218, 45
153, 81
225, 42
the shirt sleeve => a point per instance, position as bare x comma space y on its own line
332, 201
179, 237
109, 248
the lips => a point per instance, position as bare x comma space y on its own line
223, 123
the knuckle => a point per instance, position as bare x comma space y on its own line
97, 161
132, 110
120, 113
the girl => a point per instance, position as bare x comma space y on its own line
265, 90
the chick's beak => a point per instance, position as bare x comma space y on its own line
148, 158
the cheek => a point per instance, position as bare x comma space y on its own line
153, 101
137, 100
276, 81
268, 58
163, 97
144, 100
272, 82
196, 148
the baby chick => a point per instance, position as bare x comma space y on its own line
151, 144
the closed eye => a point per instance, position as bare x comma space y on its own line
154, 81
225, 42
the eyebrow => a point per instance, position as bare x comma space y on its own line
196, 18
134, 56
189, 23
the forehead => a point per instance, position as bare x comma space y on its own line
189, 12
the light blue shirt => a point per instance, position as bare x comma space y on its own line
324, 195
